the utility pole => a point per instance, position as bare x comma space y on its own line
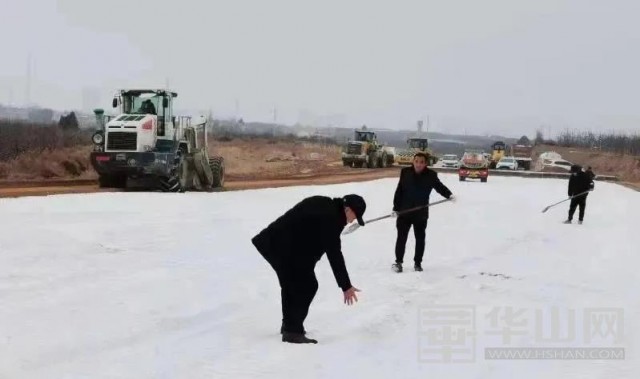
427, 132
275, 119
28, 83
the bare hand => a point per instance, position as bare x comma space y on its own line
350, 295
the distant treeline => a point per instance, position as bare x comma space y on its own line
227, 131
610, 142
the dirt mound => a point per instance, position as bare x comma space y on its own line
64, 163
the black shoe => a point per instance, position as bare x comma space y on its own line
580, 222
296, 338
282, 330
397, 267
417, 267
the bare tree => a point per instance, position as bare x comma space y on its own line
539, 137
611, 142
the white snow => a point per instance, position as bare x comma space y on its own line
140, 285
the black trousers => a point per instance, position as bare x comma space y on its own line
297, 289
581, 202
403, 224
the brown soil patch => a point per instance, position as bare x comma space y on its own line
263, 158
250, 163
244, 159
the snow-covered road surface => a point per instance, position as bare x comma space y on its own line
140, 285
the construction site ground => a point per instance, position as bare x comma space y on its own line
49, 188
262, 163
250, 164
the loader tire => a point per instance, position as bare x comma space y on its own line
373, 161
216, 164
168, 184
178, 176
382, 162
203, 169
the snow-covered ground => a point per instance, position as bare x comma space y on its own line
121, 285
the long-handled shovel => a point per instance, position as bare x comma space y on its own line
562, 201
354, 227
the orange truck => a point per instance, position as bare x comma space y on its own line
473, 165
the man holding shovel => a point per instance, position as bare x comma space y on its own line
580, 183
413, 190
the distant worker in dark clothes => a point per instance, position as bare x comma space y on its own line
579, 182
295, 242
413, 190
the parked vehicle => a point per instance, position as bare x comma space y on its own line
508, 163
523, 155
450, 160
560, 165
473, 165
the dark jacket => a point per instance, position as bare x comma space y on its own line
298, 239
579, 182
413, 190
591, 174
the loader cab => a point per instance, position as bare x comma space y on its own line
499, 146
418, 143
365, 136
149, 102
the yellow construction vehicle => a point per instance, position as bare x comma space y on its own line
498, 150
414, 145
365, 151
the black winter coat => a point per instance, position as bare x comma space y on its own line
579, 182
591, 174
414, 189
298, 239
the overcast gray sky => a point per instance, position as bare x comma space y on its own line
481, 66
